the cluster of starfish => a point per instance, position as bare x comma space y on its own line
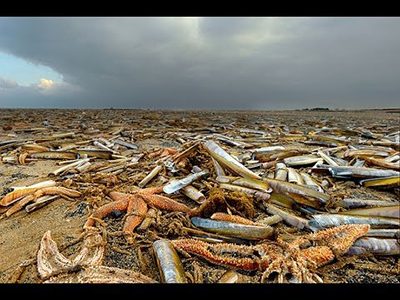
280, 261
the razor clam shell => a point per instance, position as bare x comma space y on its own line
168, 262
42, 184
227, 160
281, 172
126, 144
359, 163
365, 152
309, 182
379, 181
53, 155
270, 220
264, 150
83, 166
176, 185
392, 211
106, 142
231, 142
354, 202
362, 172
64, 168
218, 169
392, 158
302, 160
379, 246
330, 220
327, 158
193, 193
150, 176
226, 179
253, 184
388, 233
94, 153
40, 202
294, 177
100, 145
288, 218
248, 232
287, 187
229, 276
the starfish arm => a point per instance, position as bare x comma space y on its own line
117, 196
233, 218
103, 211
151, 190
339, 239
320, 255
166, 203
19, 205
13, 196
219, 254
56, 190
138, 208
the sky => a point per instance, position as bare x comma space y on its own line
255, 63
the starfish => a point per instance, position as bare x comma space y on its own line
136, 207
54, 267
163, 152
50, 261
292, 262
22, 197
16, 195
100, 274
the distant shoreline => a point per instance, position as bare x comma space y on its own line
388, 110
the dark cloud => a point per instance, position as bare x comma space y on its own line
7, 83
230, 63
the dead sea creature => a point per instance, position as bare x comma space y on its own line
218, 201
296, 261
53, 267
50, 261
136, 207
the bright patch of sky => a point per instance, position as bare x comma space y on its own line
24, 72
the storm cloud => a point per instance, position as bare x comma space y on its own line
206, 63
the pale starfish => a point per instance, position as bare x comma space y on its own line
50, 261
53, 267
101, 274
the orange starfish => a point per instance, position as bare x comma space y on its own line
163, 152
37, 192
289, 261
136, 206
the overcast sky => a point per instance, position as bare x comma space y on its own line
200, 63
